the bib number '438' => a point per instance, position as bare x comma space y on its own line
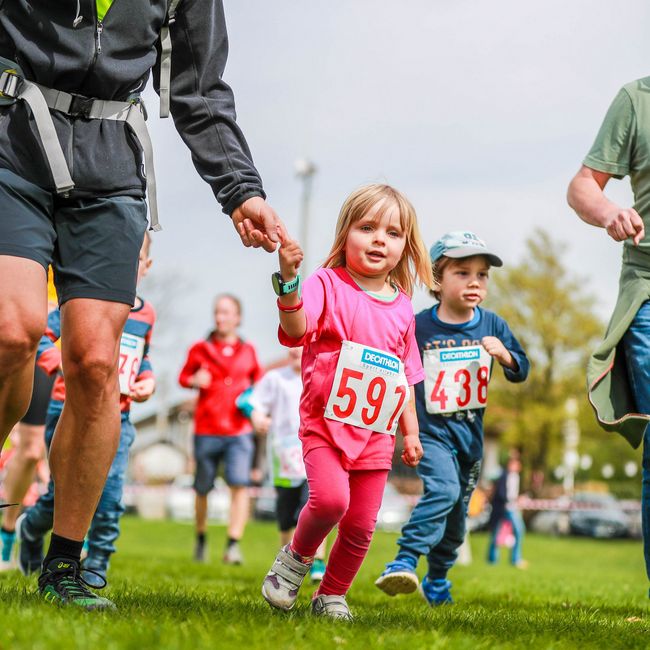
370, 389
456, 379
131, 355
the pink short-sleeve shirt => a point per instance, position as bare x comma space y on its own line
337, 310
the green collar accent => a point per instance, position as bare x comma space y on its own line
102, 8
379, 296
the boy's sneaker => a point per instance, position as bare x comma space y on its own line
30, 551
317, 570
282, 582
436, 592
233, 555
331, 607
398, 578
7, 541
93, 571
61, 583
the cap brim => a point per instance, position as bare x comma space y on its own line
471, 251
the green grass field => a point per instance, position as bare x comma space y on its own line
576, 594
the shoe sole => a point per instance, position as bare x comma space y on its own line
268, 599
399, 582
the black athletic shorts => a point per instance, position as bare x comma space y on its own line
41, 394
92, 243
290, 502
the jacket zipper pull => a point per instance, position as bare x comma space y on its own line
98, 35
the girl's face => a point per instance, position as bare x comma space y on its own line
374, 246
464, 283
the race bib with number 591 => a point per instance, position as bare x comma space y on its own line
370, 389
131, 355
456, 379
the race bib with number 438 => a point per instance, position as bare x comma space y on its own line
131, 355
370, 389
456, 379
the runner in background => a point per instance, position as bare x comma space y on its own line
28, 452
136, 384
360, 361
273, 407
458, 342
221, 368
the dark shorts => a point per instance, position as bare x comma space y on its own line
291, 501
93, 244
37, 411
236, 453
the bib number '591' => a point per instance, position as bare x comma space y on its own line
131, 355
370, 389
456, 379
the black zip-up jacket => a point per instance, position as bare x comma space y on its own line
112, 59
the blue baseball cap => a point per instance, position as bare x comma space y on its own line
460, 244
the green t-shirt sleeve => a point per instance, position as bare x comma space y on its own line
612, 150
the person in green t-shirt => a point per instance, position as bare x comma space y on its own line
618, 374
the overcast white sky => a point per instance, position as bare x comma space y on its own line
479, 111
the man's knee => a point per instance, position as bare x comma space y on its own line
18, 342
92, 367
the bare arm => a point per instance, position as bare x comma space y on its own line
293, 323
586, 197
408, 424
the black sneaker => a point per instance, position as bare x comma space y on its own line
30, 552
200, 551
61, 583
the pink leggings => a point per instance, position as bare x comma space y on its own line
350, 499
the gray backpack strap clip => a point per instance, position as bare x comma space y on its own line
14, 86
166, 58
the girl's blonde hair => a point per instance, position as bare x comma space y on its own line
414, 264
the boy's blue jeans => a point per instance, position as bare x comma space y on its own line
105, 526
514, 517
436, 527
636, 343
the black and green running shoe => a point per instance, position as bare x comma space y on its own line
61, 583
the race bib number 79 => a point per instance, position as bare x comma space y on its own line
456, 379
131, 355
370, 389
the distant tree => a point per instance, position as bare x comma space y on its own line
552, 316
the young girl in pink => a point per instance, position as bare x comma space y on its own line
360, 362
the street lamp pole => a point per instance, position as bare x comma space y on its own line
305, 171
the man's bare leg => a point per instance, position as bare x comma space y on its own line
23, 314
86, 438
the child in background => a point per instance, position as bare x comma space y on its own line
360, 361
273, 406
458, 341
136, 384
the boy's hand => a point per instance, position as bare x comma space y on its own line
202, 378
497, 350
290, 255
142, 390
412, 450
261, 422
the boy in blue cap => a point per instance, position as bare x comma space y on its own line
458, 341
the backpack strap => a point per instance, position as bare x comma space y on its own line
166, 58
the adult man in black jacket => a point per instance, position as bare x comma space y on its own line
72, 187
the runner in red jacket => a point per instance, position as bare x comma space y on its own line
221, 367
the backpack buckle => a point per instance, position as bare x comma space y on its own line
10, 84
80, 106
